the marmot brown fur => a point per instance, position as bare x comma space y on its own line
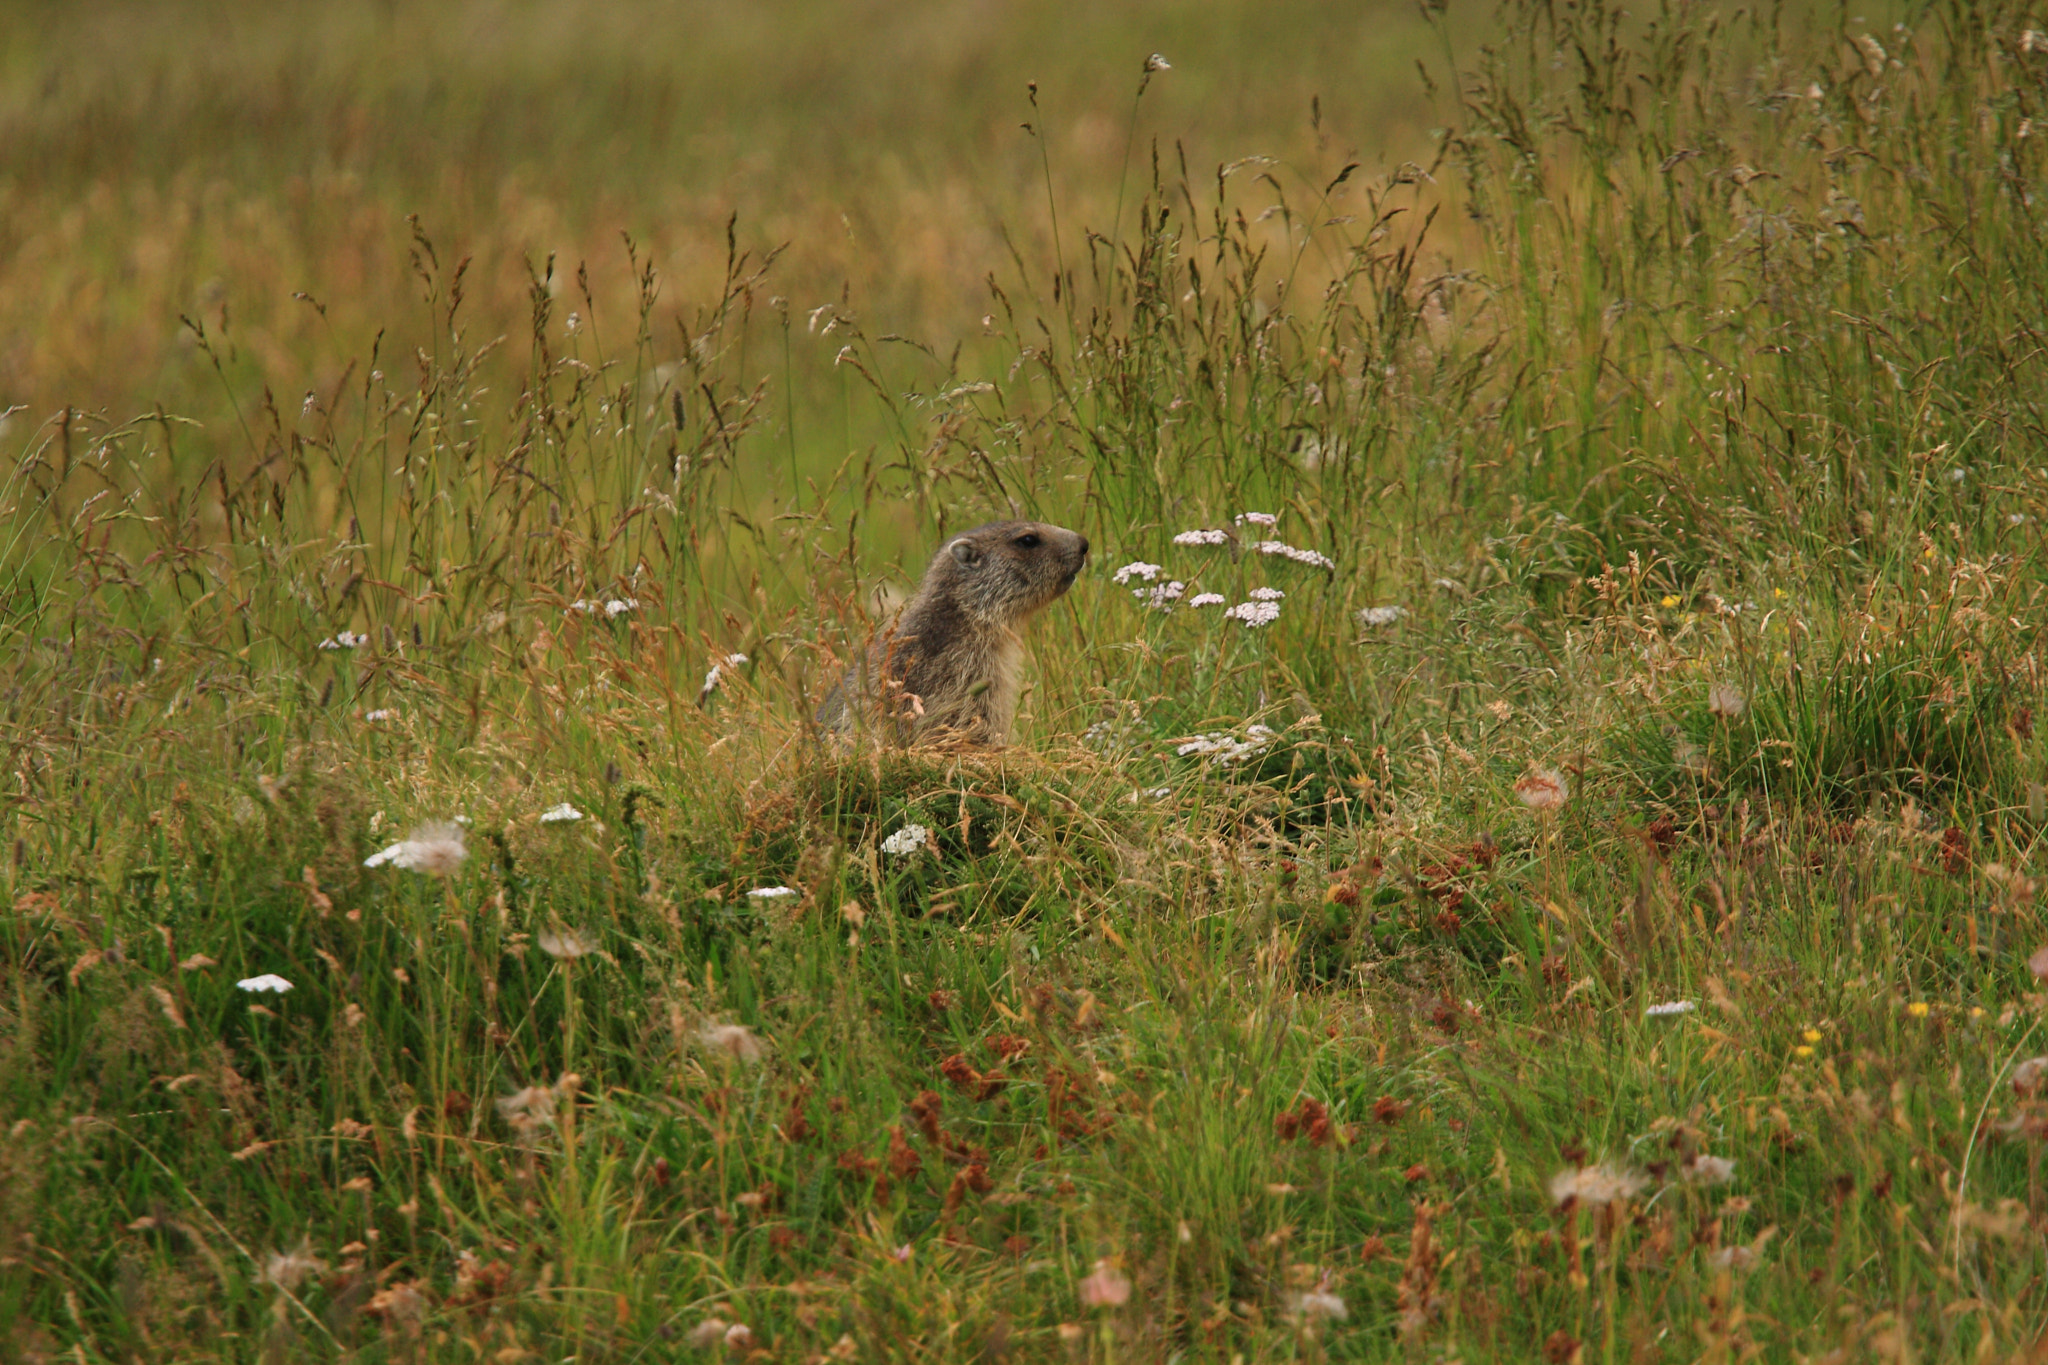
947, 667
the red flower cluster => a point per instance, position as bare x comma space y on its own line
1311, 1120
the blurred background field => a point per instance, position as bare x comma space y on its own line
1595, 913
214, 161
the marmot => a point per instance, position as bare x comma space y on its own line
946, 667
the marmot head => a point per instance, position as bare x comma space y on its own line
1006, 570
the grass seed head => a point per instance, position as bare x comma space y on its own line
529, 1109
1595, 1185
1709, 1170
708, 1333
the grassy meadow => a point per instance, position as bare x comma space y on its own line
1573, 895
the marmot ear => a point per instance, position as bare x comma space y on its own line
966, 551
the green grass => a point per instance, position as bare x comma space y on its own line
1683, 395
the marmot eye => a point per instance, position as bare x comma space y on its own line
1028, 540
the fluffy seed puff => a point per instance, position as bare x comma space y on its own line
1543, 790
734, 1041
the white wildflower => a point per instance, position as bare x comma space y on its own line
562, 814
773, 893
381, 714
619, 606
1265, 594
1669, 1007
1257, 519
1312, 558
1255, 613
1137, 568
1108, 734
345, 640
1201, 538
717, 674
436, 850
909, 839
583, 604
1207, 599
1223, 747
1162, 596
1381, 616
1155, 62
257, 985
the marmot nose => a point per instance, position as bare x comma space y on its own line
1084, 547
